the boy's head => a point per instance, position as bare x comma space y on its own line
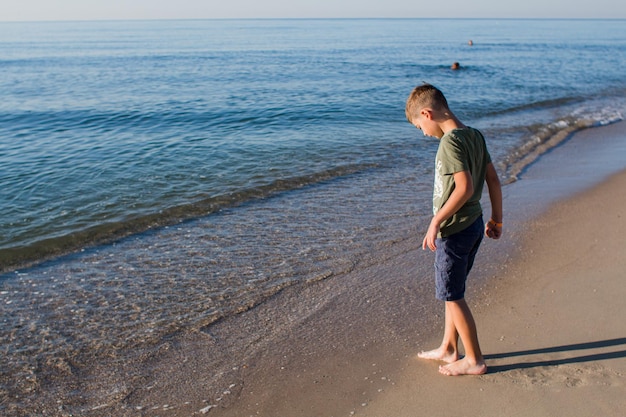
425, 96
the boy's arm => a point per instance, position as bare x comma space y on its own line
493, 228
463, 190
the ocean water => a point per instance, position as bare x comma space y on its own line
157, 176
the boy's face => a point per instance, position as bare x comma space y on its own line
425, 123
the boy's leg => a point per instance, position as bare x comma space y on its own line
473, 362
453, 261
448, 350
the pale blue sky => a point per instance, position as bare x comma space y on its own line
27, 10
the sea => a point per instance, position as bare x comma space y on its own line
158, 176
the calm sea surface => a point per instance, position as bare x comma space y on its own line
156, 176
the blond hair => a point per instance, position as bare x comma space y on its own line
423, 96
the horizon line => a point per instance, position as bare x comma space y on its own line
157, 19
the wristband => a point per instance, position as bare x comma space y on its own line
494, 223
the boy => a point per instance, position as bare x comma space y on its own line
455, 232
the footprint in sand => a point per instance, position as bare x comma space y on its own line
569, 376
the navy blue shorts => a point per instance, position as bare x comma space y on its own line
454, 258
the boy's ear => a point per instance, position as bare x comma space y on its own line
427, 113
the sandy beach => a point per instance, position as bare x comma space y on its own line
550, 316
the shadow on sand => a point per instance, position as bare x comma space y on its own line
557, 349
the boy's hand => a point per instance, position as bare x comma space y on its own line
493, 230
431, 236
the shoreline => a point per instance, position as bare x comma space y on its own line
340, 347
378, 375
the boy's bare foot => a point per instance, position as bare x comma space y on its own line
463, 367
439, 354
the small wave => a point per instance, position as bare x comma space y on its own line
549, 136
46, 249
538, 105
86, 119
161, 117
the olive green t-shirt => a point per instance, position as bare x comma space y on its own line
460, 150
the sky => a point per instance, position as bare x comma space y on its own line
36, 10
